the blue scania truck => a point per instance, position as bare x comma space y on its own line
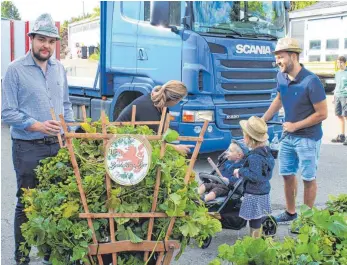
221, 50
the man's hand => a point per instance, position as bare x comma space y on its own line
289, 127
183, 148
236, 173
49, 127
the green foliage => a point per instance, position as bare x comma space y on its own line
337, 204
52, 208
9, 10
322, 240
170, 135
295, 5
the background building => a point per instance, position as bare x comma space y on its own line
321, 30
83, 33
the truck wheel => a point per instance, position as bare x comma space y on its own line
269, 226
124, 100
207, 242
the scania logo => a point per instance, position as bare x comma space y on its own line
255, 49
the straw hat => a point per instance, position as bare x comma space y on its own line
287, 45
256, 128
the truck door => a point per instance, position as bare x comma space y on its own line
124, 36
159, 50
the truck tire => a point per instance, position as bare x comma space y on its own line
124, 100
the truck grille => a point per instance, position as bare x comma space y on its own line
247, 64
240, 111
249, 86
249, 75
248, 97
247, 81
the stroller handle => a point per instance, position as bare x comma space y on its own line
274, 123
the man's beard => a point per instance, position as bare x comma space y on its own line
288, 68
39, 57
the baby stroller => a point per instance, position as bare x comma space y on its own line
227, 208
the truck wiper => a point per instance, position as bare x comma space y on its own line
230, 30
266, 35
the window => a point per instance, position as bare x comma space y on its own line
130, 8
147, 9
331, 57
314, 58
333, 44
315, 45
175, 12
345, 43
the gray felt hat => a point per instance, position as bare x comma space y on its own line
44, 25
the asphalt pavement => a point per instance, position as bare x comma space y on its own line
331, 178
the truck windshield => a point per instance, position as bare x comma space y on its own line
240, 18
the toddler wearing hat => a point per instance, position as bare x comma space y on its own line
235, 155
256, 173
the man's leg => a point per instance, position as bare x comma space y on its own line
26, 157
308, 152
342, 124
310, 191
339, 104
290, 190
344, 113
288, 166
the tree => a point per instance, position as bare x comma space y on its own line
295, 5
9, 10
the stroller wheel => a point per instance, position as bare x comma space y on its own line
269, 226
207, 242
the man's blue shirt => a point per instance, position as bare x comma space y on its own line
28, 94
298, 97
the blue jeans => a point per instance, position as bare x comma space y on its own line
26, 156
297, 153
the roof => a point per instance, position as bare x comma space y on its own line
322, 4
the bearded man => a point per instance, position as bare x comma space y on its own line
32, 86
303, 98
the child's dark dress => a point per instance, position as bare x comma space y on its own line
257, 172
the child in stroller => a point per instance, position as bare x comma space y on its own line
227, 208
234, 159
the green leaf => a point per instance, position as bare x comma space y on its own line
189, 229
133, 238
215, 262
301, 249
170, 135
88, 128
70, 209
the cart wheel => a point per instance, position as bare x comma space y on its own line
207, 242
269, 226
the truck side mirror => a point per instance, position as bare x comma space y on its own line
160, 14
287, 5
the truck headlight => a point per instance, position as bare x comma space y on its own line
197, 115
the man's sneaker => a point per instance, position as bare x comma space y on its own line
339, 139
285, 218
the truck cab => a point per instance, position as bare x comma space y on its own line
221, 50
